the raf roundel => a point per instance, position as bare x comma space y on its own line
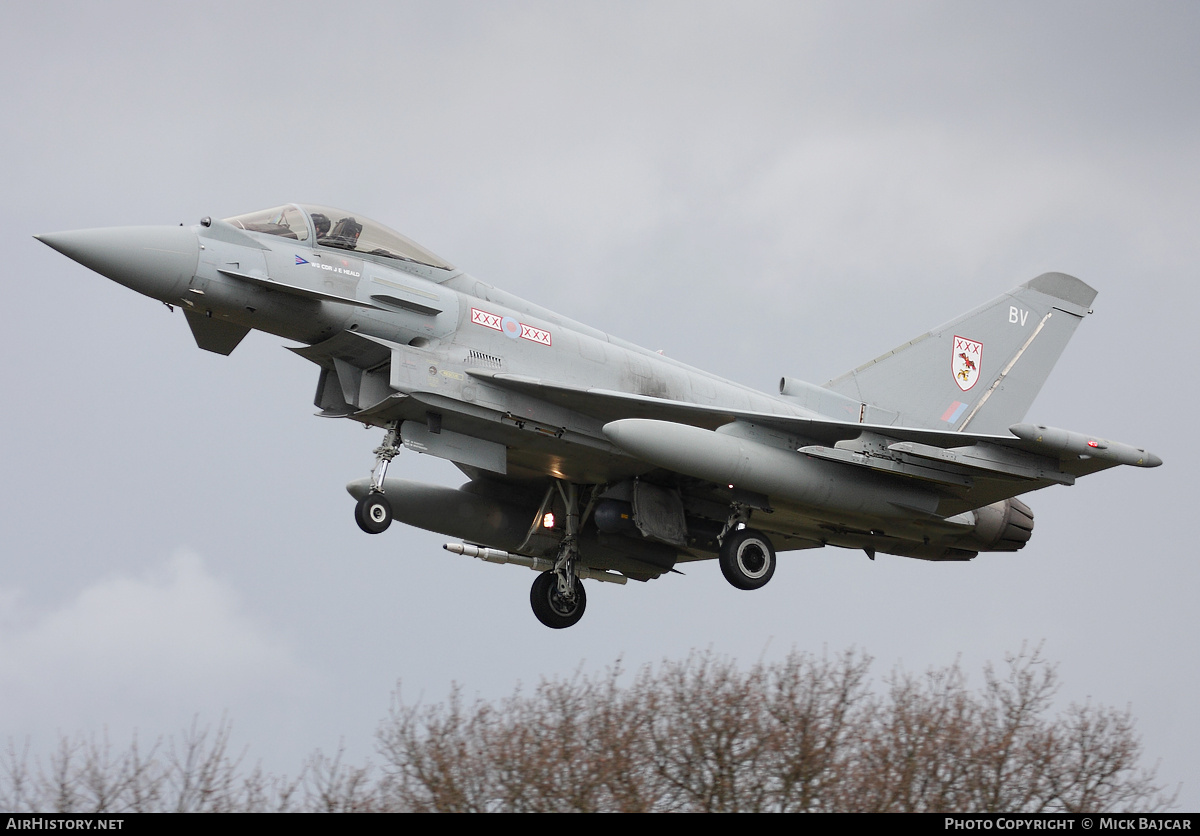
510, 327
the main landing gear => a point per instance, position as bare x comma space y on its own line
747, 557
557, 596
373, 512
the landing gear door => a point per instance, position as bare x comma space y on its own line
658, 514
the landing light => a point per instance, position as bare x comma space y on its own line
548, 521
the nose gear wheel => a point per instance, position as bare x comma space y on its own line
373, 513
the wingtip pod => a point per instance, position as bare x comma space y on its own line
1065, 441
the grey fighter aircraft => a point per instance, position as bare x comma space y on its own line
589, 458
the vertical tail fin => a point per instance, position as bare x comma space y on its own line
981, 371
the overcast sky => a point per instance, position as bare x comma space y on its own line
757, 189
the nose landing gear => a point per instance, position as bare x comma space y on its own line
373, 512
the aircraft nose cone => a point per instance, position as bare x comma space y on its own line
158, 261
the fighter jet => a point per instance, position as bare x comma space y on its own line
591, 459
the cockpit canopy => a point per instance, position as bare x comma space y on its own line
328, 227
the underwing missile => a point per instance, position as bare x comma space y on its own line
538, 564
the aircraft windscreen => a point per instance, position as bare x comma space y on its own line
284, 221
343, 231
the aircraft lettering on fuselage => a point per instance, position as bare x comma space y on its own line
332, 268
601, 460
335, 269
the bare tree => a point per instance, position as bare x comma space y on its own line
932, 745
816, 707
804, 734
195, 773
